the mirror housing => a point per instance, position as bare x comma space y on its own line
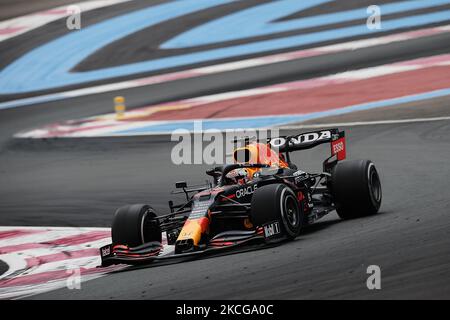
181, 185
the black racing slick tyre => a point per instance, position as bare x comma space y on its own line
277, 202
134, 225
356, 188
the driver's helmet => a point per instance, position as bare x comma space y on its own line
242, 175
238, 176
254, 153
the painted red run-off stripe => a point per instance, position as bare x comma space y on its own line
11, 30
80, 238
18, 233
48, 276
22, 247
321, 98
60, 256
65, 241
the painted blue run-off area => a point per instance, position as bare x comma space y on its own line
49, 66
262, 21
271, 121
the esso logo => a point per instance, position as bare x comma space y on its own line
338, 147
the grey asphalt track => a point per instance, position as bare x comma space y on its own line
81, 182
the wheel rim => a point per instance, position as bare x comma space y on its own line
375, 185
144, 225
147, 224
291, 211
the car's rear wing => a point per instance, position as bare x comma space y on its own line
310, 140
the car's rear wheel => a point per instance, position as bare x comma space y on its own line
356, 188
277, 202
134, 225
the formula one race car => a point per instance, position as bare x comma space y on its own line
261, 198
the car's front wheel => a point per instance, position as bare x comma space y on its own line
277, 203
134, 225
